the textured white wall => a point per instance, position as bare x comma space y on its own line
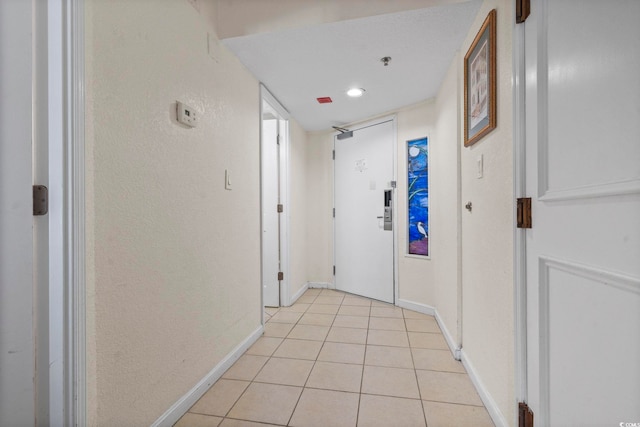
415, 275
298, 207
487, 232
319, 207
445, 171
173, 258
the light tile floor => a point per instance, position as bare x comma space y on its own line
335, 359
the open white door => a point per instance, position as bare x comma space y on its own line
363, 186
270, 215
274, 172
17, 352
583, 175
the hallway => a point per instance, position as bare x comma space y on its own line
335, 359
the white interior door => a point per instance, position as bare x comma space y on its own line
583, 174
363, 248
17, 353
270, 216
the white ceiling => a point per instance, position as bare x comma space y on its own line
300, 65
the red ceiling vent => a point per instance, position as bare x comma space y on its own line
324, 100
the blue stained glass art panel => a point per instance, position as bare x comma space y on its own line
418, 196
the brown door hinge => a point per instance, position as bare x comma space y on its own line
40, 200
525, 416
524, 212
280, 275
523, 9
280, 208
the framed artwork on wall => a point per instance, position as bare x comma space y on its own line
418, 197
480, 83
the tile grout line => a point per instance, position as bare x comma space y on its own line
366, 344
415, 371
313, 366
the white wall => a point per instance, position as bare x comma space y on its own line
487, 233
319, 166
298, 256
173, 259
416, 275
445, 206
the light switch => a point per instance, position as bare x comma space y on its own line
480, 165
227, 179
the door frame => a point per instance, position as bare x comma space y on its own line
285, 297
354, 127
519, 235
66, 138
519, 161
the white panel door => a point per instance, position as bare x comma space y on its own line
363, 249
17, 399
583, 174
270, 216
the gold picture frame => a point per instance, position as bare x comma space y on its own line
480, 109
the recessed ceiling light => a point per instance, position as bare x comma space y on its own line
355, 92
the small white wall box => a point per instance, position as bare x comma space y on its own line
186, 115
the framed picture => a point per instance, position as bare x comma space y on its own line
480, 83
418, 197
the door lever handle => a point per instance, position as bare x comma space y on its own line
379, 217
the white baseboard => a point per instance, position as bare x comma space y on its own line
453, 344
431, 311
459, 354
414, 306
300, 292
178, 409
494, 412
320, 285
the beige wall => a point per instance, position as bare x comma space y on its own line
319, 166
415, 274
297, 210
487, 232
173, 259
445, 204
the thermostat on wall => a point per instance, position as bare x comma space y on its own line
186, 115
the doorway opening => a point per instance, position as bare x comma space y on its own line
274, 168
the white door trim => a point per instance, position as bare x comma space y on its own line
62, 134
519, 235
67, 353
76, 213
285, 296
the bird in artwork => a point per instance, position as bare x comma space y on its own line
421, 229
